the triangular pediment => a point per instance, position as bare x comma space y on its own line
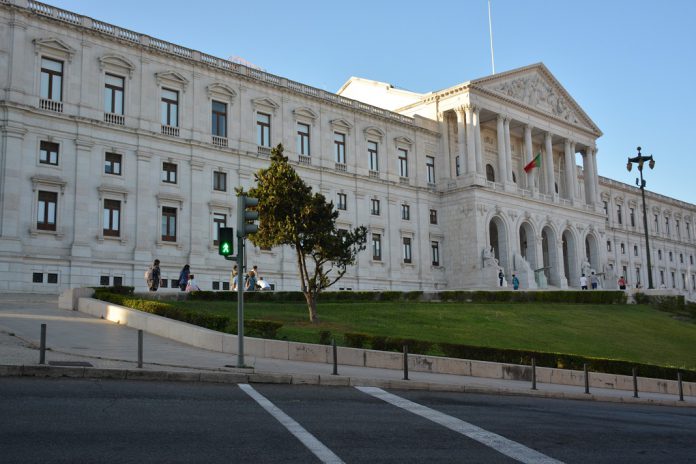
535, 87
217, 88
341, 124
54, 46
171, 77
265, 102
305, 112
113, 60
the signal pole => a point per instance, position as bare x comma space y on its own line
243, 228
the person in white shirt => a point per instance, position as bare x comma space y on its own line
262, 284
583, 282
192, 286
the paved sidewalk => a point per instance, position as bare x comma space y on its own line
111, 349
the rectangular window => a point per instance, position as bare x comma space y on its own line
112, 164
169, 173
608, 245
374, 207
373, 156
219, 221
51, 79
340, 147
406, 212
659, 255
681, 258
671, 257
216, 285
112, 218
430, 169
676, 227
37, 277
619, 218
403, 162
623, 249
637, 275
635, 250
263, 129
342, 201
377, 247
303, 139
657, 223
674, 282
667, 225
168, 224
48, 153
118, 281
47, 210
407, 249
457, 168
662, 277
632, 213
170, 108
435, 247
433, 216
220, 181
219, 122
113, 94
164, 283
606, 209
51, 278
104, 281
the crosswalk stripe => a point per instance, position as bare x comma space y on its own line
307, 439
499, 443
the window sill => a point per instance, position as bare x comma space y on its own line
112, 238
160, 243
58, 233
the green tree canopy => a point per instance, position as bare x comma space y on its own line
290, 214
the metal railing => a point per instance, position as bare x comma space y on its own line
51, 105
113, 118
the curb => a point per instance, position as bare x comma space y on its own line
307, 379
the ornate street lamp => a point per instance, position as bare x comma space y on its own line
640, 160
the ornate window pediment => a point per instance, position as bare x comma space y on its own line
265, 103
53, 181
403, 140
171, 77
619, 200
118, 62
306, 113
373, 132
169, 199
54, 46
221, 90
341, 124
113, 190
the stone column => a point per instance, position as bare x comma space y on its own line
548, 165
470, 144
595, 175
11, 187
569, 171
587, 174
444, 130
574, 170
508, 152
198, 215
146, 221
83, 177
477, 139
461, 138
501, 149
528, 156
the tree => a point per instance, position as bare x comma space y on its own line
290, 214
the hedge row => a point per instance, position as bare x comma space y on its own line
252, 327
581, 297
511, 356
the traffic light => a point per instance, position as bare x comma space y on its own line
245, 215
225, 241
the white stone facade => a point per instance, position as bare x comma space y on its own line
118, 148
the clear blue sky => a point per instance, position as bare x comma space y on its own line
631, 65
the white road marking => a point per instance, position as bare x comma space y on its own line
499, 443
307, 439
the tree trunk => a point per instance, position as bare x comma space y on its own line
312, 307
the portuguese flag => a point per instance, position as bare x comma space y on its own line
535, 163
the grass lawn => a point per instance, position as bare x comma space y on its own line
636, 333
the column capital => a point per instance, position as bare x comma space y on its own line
548, 136
461, 111
501, 117
528, 127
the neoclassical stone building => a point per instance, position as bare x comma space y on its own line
118, 148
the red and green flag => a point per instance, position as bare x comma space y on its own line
535, 163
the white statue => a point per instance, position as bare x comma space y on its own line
489, 257
586, 267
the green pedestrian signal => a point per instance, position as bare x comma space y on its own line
225, 241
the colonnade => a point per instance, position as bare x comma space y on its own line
469, 160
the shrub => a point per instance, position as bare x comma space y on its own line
356, 340
325, 337
261, 328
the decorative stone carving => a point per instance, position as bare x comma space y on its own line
538, 93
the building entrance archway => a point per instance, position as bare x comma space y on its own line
497, 237
570, 261
528, 244
549, 253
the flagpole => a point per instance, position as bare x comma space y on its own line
490, 30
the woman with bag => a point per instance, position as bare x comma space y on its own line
184, 277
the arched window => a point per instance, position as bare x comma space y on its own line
490, 173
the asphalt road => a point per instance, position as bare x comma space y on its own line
74, 420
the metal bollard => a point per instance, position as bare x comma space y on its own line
42, 348
635, 383
679, 382
587, 379
405, 362
534, 374
335, 357
140, 349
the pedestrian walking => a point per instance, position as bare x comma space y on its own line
192, 285
594, 281
184, 277
622, 283
515, 282
583, 282
152, 276
250, 282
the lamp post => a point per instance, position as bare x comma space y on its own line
640, 161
